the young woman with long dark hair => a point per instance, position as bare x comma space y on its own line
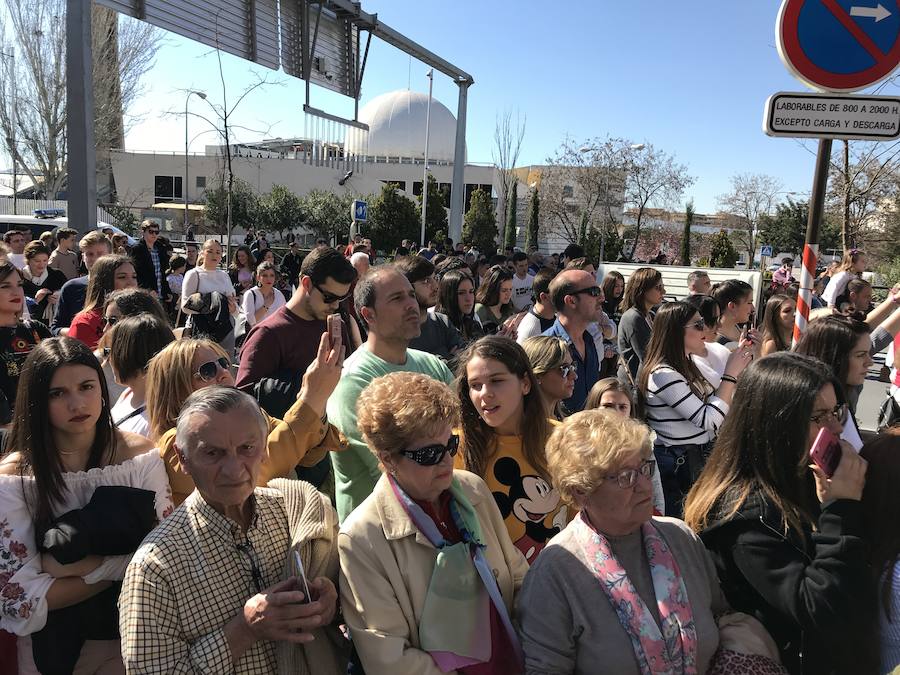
110, 273
735, 298
845, 346
614, 292
778, 324
787, 541
679, 404
241, 269
711, 359
65, 455
504, 429
644, 291
494, 300
456, 299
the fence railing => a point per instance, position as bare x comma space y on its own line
24, 207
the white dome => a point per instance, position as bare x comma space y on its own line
397, 128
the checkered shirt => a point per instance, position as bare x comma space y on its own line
157, 270
190, 577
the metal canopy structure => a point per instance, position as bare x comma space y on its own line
317, 42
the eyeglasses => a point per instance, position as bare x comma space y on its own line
330, 298
151, 231
433, 454
109, 321
839, 414
699, 324
566, 369
626, 478
620, 407
208, 371
593, 291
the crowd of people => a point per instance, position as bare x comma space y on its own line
447, 462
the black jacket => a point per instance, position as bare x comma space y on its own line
815, 595
55, 281
146, 274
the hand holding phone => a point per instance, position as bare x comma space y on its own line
826, 452
335, 329
301, 573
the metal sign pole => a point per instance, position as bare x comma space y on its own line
811, 247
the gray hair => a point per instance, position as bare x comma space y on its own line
213, 399
364, 293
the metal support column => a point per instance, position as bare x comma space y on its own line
458, 186
82, 159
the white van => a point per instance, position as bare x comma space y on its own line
39, 225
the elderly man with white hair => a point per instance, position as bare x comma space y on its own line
360, 262
217, 588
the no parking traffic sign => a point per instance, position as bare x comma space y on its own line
839, 45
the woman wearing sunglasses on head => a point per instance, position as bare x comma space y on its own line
426, 534
679, 404
303, 437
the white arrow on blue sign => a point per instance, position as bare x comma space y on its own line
360, 211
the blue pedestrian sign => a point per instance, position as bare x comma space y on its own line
766, 251
359, 211
839, 45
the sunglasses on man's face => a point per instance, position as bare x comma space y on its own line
593, 291
330, 298
150, 231
433, 454
208, 371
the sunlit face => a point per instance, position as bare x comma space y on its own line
618, 511
269, 257
505, 292
521, 268
12, 294
91, 254
191, 255
694, 333
112, 315
75, 399
124, 277
17, 243
556, 387
212, 254
497, 394
654, 296
427, 291
225, 455
786, 314
396, 310
619, 288
825, 402
701, 286
742, 309
323, 299
203, 355
860, 361
862, 300
243, 259
860, 265
465, 296
151, 234
266, 278
425, 483
616, 401
38, 264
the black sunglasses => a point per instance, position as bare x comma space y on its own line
109, 321
433, 454
593, 291
330, 298
152, 231
208, 371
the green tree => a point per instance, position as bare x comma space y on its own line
480, 223
509, 234
686, 234
785, 230
123, 217
244, 205
326, 214
436, 218
721, 251
393, 217
531, 229
280, 210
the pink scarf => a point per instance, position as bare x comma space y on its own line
670, 651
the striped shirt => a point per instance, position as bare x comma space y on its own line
677, 414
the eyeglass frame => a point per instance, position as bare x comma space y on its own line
109, 320
328, 297
630, 475
451, 446
699, 324
838, 413
566, 368
221, 363
593, 291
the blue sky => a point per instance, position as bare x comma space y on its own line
691, 77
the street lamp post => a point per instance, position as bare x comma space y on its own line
11, 139
184, 188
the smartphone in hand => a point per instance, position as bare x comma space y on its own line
335, 327
826, 452
302, 574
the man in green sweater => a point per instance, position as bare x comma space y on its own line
386, 301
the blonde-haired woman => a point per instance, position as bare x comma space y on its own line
207, 278
617, 587
429, 573
552, 365
303, 437
852, 265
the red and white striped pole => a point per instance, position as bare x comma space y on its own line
804, 297
811, 248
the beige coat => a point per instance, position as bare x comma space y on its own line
386, 566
